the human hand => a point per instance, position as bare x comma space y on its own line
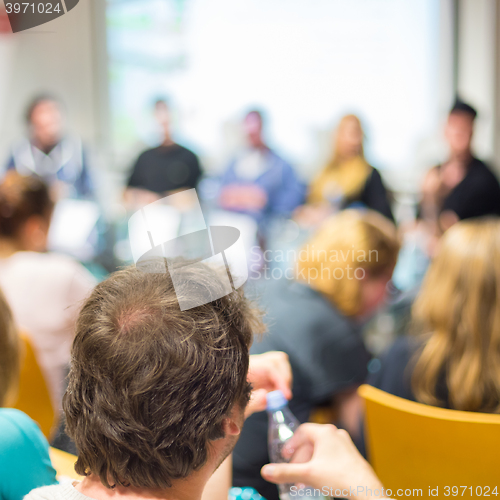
447, 219
312, 216
268, 372
323, 456
243, 197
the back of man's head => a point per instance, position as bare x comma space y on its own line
150, 385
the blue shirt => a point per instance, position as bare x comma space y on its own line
24, 456
285, 192
66, 162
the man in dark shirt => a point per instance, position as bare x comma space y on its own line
463, 187
159, 171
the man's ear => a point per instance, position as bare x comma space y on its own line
230, 427
233, 424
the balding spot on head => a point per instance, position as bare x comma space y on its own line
130, 318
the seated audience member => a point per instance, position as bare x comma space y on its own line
157, 396
162, 170
342, 274
455, 360
50, 153
348, 179
43, 289
325, 458
258, 182
24, 451
463, 187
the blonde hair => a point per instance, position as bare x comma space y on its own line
337, 159
9, 353
460, 304
349, 175
349, 241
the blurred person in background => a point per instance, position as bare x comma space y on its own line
347, 180
454, 360
341, 279
258, 182
163, 170
24, 451
50, 153
43, 289
464, 186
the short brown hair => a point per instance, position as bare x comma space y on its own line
150, 385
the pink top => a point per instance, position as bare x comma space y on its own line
45, 292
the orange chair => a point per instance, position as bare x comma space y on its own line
64, 464
32, 396
417, 447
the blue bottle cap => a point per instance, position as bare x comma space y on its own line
276, 400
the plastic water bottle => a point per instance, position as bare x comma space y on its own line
282, 425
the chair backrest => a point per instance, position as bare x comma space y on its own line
413, 446
33, 397
64, 464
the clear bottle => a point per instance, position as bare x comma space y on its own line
282, 425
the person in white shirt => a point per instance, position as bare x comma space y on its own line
44, 290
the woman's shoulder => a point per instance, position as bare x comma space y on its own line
297, 299
24, 455
302, 320
374, 184
374, 176
11, 418
392, 372
39, 259
16, 427
57, 266
20, 438
404, 346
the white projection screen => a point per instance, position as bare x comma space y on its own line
305, 62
